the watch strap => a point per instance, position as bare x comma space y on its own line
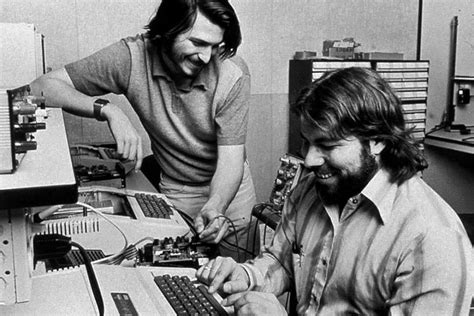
98, 105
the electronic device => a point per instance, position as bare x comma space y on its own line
44, 177
181, 251
138, 214
100, 165
125, 291
20, 117
289, 172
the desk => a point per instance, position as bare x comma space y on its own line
138, 181
451, 140
450, 172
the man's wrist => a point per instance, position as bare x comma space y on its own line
99, 104
251, 281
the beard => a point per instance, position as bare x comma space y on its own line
350, 184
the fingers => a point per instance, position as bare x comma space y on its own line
233, 298
129, 146
129, 142
199, 223
255, 303
215, 231
221, 232
216, 271
138, 165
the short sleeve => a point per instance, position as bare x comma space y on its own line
106, 71
232, 118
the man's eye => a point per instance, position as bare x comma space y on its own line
327, 146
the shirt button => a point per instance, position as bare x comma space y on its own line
325, 262
355, 201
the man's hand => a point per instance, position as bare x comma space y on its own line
129, 142
255, 303
211, 226
224, 273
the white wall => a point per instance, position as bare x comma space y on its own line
436, 35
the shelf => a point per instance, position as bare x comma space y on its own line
450, 140
463, 78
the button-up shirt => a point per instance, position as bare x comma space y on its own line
396, 249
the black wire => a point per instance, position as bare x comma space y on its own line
92, 278
255, 233
188, 219
235, 235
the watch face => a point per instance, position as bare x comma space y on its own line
101, 101
98, 105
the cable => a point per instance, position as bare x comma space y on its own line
188, 219
56, 246
92, 278
235, 234
113, 259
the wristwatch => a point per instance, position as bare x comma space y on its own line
98, 105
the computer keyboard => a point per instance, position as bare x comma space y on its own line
186, 298
153, 206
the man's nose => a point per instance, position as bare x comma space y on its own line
205, 54
314, 157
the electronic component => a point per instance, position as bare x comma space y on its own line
101, 175
19, 119
177, 252
288, 174
100, 165
290, 171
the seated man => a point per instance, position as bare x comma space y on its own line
362, 233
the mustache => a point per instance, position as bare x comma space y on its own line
322, 169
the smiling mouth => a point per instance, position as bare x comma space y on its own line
324, 175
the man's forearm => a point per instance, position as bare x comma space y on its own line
227, 178
222, 192
58, 90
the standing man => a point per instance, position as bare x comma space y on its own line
192, 99
362, 233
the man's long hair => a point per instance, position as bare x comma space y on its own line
358, 102
174, 17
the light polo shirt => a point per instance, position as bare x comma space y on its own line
396, 249
185, 125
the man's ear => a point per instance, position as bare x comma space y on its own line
376, 147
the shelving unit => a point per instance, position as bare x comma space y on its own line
408, 78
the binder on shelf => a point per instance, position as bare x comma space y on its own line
414, 117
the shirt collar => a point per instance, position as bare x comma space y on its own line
158, 70
381, 192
